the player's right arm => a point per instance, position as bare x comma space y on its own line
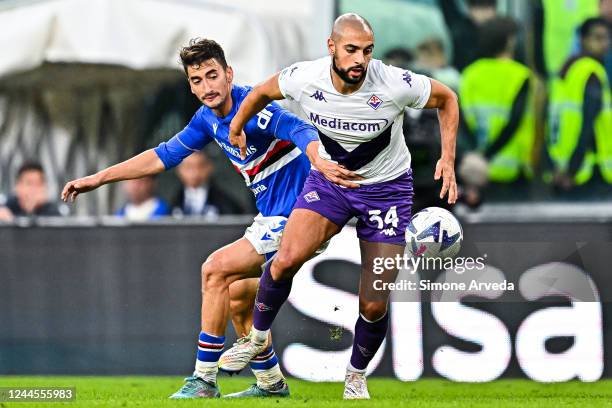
146, 163
270, 90
153, 161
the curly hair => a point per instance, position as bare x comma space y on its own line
200, 50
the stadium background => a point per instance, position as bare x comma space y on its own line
84, 87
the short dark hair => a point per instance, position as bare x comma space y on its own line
30, 166
589, 24
200, 50
495, 34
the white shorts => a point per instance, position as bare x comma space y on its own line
265, 235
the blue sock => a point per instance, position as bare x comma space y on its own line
267, 370
209, 350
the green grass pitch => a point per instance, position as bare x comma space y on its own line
153, 392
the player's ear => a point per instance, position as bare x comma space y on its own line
229, 73
331, 46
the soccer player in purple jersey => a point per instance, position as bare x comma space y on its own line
357, 104
273, 167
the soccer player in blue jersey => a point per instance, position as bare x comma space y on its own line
273, 167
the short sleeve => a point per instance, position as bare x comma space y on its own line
191, 139
408, 89
292, 80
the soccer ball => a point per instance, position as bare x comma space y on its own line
434, 233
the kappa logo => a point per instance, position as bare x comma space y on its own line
269, 237
364, 351
390, 232
215, 126
374, 102
318, 95
407, 78
311, 197
262, 307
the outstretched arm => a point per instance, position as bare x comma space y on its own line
445, 100
146, 163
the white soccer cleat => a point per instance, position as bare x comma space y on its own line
355, 386
234, 359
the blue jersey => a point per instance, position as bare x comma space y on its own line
274, 168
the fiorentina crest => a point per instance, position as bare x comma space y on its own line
374, 102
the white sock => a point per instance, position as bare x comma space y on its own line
266, 379
259, 336
352, 369
207, 371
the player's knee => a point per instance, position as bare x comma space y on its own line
372, 311
284, 264
213, 273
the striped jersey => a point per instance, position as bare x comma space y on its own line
363, 130
274, 168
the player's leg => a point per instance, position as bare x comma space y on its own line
242, 297
265, 366
384, 213
235, 261
373, 321
304, 233
319, 213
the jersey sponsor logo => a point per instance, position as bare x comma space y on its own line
318, 96
215, 127
374, 102
235, 151
311, 197
260, 188
371, 125
407, 78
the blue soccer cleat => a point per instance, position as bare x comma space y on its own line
196, 387
255, 391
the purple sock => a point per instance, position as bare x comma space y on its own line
368, 338
270, 297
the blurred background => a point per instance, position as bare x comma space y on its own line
86, 85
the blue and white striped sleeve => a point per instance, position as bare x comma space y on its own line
191, 139
287, 126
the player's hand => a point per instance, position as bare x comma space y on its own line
336, 173
238, 138
73, 188
445, 168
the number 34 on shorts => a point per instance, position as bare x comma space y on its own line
387, 221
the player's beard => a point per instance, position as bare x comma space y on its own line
343, 74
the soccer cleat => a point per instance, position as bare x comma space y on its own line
196, 387
255, 391
355, 386
234, 359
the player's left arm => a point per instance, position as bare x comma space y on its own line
445, 100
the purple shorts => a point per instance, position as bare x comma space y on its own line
383, 210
